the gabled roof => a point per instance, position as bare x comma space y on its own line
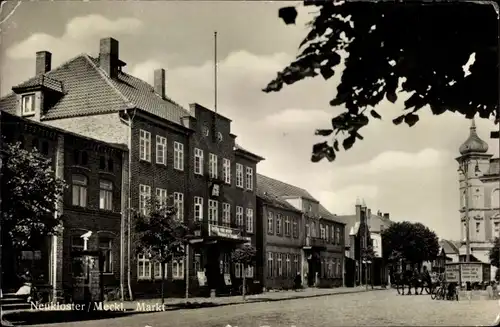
449, 247
90, 91
283, 189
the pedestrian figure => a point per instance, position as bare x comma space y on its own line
298, 282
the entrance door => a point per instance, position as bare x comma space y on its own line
87, 277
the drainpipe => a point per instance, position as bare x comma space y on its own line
129, 121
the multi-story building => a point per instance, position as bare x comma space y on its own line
279, 240
363, 229
320, 235
187, 156
92, 202
479, 177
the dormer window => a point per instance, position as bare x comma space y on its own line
28, 104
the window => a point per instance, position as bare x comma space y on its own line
322, 231
333, 235
157, 271
249, 178
249, 220
213, 207
497, 228
278, 224
270, 222
226, 170
178, 269
287, 226
237, 270
198, 161
327, 232
295, 229
280, 264
145, 145
28, 104
79, 183
105, 195
143, 267
239, 175
35, 144
313, 229
161, 150
288, 267
239, 216
110, 165
102, 162
212, 165
338, 266
106, 246
161, 196
296, 263
308, 230
226, 214
45, 147
495, 199
270, 264
337, 235
144, 196
249, 271
178, 156
198, 208
179, 205
77, 243
478, 227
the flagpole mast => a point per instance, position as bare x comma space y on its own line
215, 71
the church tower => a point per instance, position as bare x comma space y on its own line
475, 196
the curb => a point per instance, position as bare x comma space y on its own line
249, 301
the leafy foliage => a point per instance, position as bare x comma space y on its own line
30, 192
410, 241
421, 46
159, 234
368, 253
495, 253
244, 254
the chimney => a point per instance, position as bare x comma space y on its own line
368, 216
386, 215
109, 56
358, 210
43, 62
159, 82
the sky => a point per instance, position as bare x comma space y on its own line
410, 173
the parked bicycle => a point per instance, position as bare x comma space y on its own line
444, 292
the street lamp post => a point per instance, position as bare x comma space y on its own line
464, 169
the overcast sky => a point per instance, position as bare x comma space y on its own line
409, 172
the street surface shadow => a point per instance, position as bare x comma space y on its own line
26, 318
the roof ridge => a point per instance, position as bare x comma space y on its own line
105, 77
277, 180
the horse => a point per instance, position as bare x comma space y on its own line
400, 279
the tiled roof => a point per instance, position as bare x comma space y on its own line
275, 200
89, 91
283, 189
449, 247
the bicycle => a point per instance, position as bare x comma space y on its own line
439, 293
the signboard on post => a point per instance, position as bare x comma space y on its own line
471, 272
452, 272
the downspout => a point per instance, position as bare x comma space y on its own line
129, 122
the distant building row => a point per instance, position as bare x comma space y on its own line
118, 141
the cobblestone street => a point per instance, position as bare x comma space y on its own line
382, 308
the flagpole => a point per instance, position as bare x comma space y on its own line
215, 71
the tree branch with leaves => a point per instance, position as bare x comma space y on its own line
244, 255
30, 194
387, 48
160, 236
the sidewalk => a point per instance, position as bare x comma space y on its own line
179, 303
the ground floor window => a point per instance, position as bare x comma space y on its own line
178, 269
157, 271
106, 247
143, 267
269, 264
237, 270
249, 271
